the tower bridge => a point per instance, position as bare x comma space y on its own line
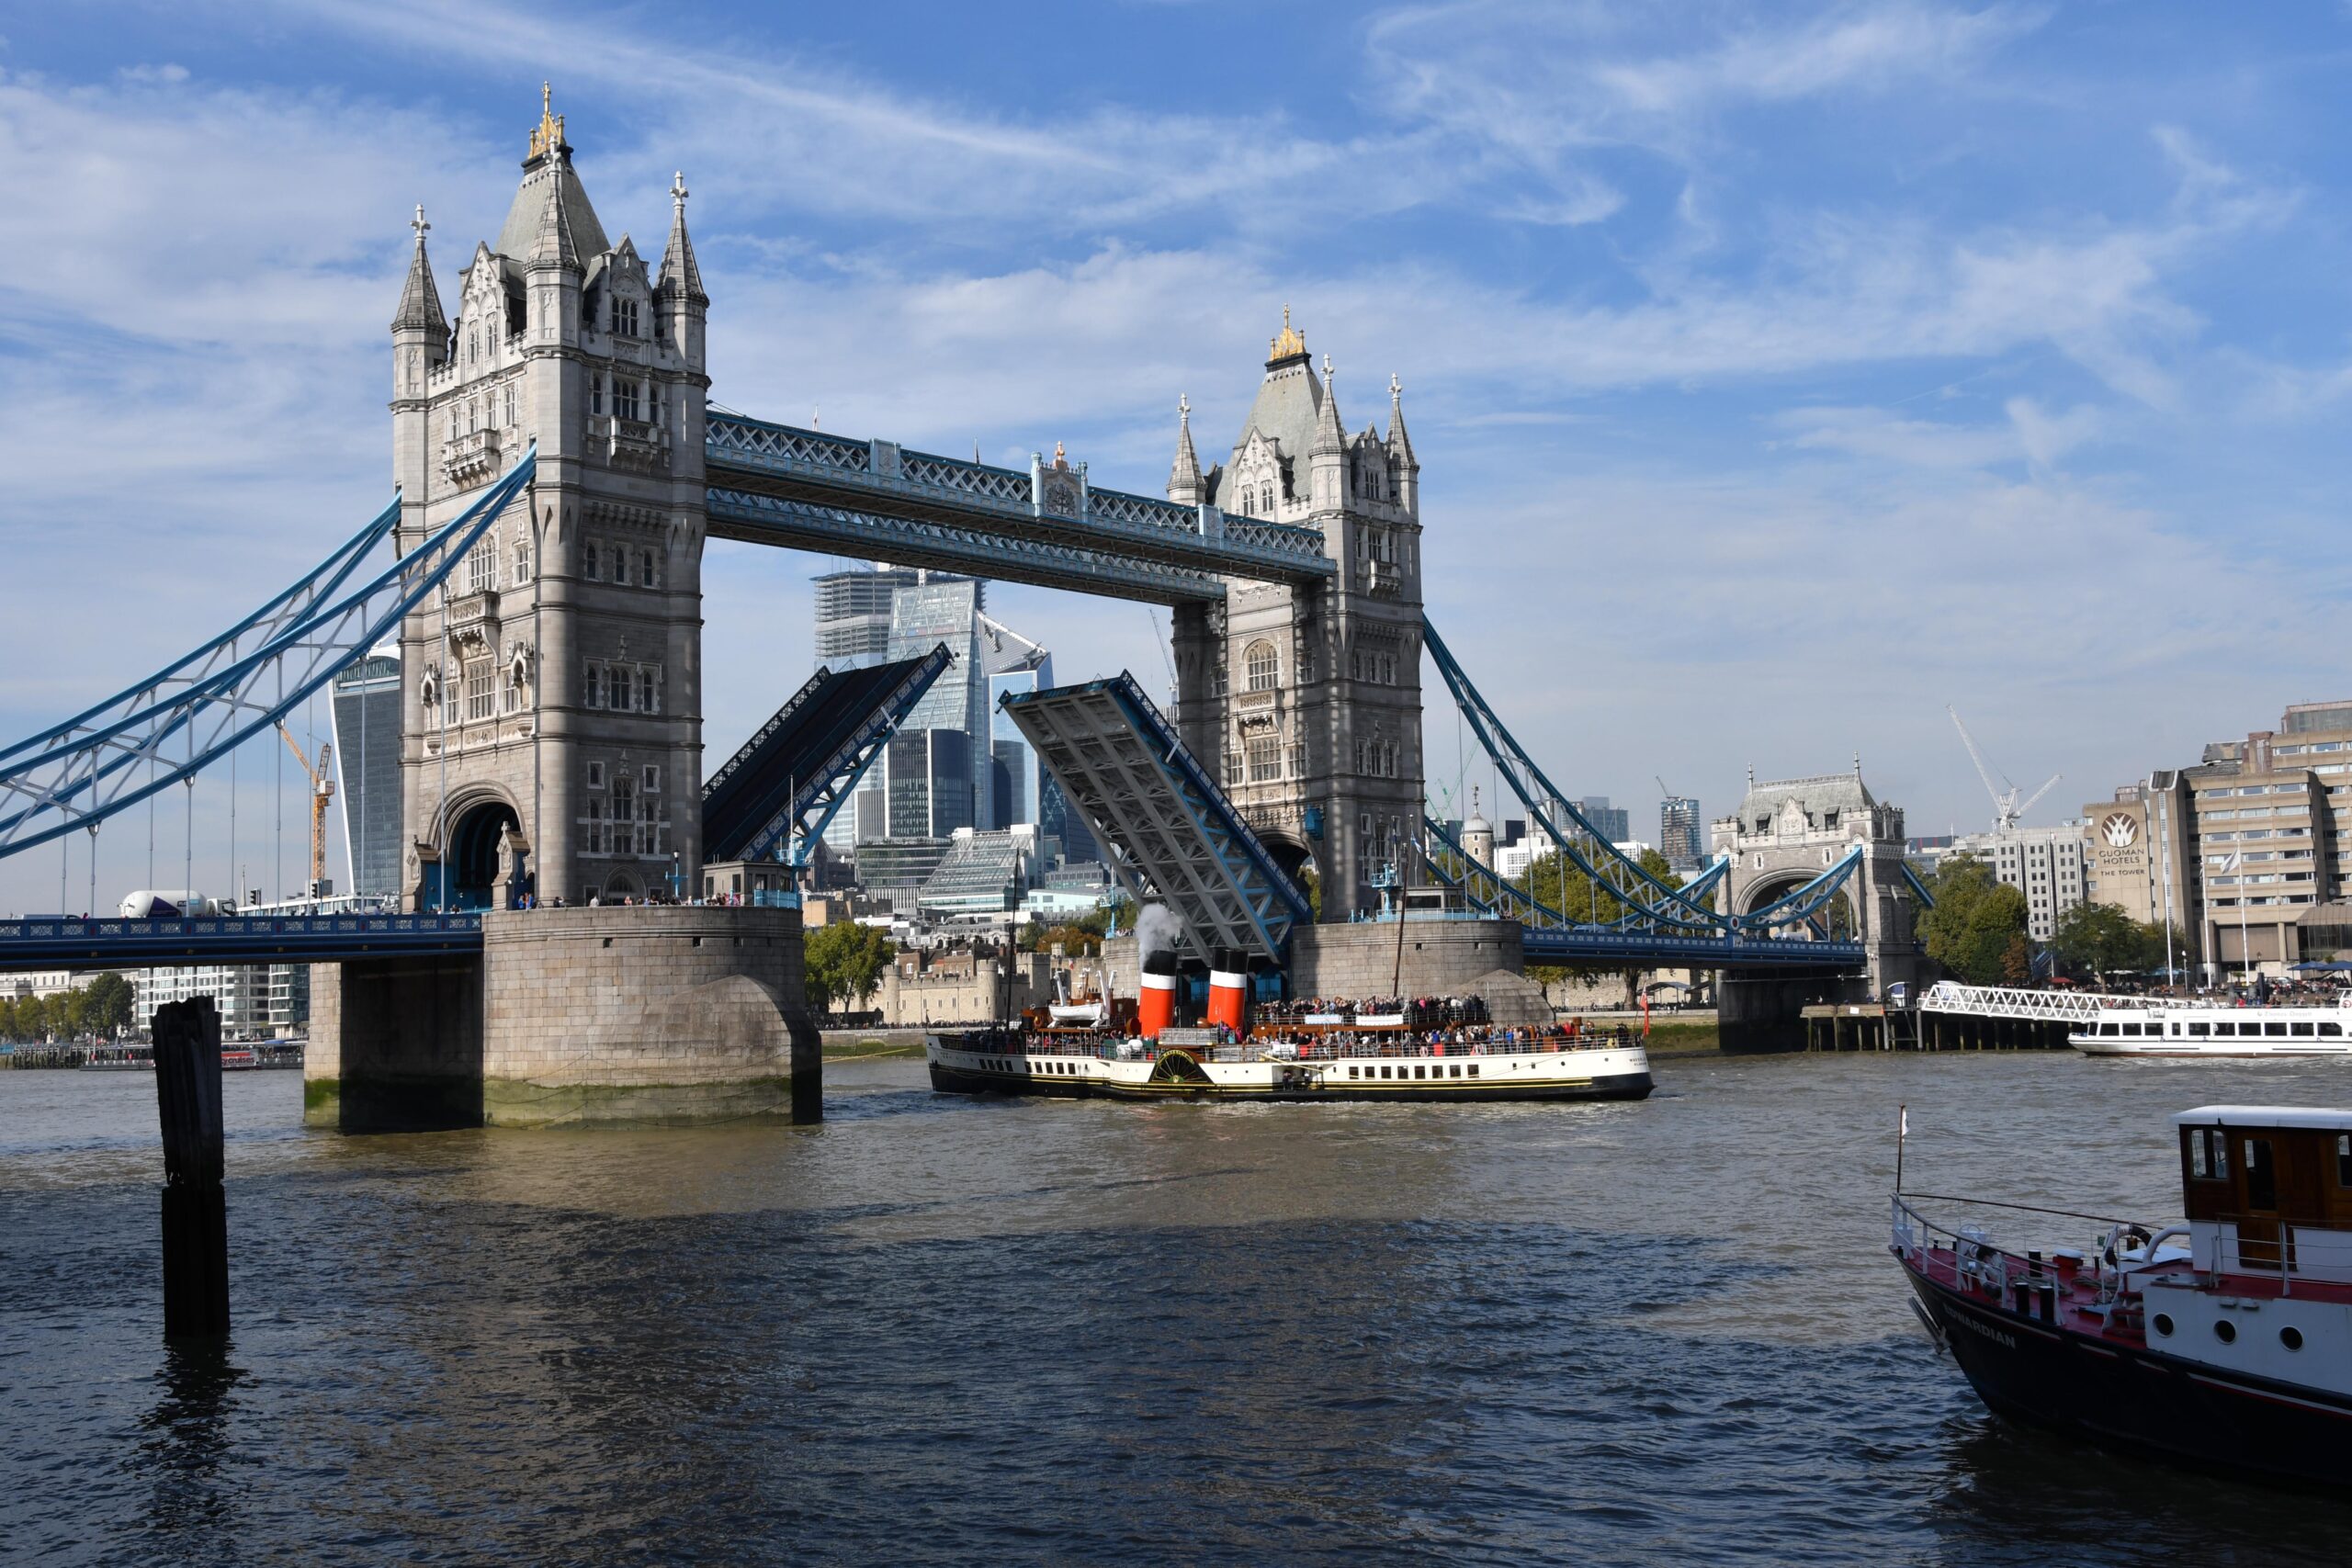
559, 469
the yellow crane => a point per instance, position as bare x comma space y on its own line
321, 791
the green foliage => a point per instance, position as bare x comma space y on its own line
99, 1008
1559, 882
1312, 885
843, 962
1082, 934
1976, 920
107, 1003
2101, 939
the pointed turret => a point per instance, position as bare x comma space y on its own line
1185, 484
555, 244
1402, 464
1327, 454
420, 300
680, 277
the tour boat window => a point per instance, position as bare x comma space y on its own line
2108, 1028
2277, 1029
1457, 1072
2261, 1176
2226, 1029
2331, 1031
1420, 1072
2132, 1030
2200, 1029
2225, 1331
2292, 1337
2302, 1030
1474, 1069
1352, 1069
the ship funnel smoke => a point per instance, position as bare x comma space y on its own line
1157, 930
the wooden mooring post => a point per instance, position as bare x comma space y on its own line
196, 1209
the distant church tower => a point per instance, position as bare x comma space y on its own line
1314, 703
552, 710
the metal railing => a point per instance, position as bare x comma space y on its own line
2006, 1001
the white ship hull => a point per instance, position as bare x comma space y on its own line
986, 1064
2221, 1032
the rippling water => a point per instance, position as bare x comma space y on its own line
939, 1330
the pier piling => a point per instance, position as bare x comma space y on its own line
195, 1211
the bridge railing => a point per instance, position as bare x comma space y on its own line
2011, 1001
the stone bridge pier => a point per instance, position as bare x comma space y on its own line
1785, 834
650, 1015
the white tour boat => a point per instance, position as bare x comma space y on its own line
2161, 1028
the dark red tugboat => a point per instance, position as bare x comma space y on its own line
2224, 1343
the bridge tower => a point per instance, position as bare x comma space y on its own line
1310, 701
552, 716
1785, 834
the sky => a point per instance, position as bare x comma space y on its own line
1779, 374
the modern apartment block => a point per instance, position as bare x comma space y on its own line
2245, 850
2043, 863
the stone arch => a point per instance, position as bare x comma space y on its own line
475, 821
1770, 886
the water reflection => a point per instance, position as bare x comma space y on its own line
186, 1454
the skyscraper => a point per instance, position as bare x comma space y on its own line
853, 615
364, 719
1025, 793
924, 615
1679, 829
1614, 823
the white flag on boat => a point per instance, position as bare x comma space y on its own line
1902, 1122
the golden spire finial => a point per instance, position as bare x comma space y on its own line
1288, 343
547, 137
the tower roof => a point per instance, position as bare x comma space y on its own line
679, 273
549, 179
1289, 400
420, 300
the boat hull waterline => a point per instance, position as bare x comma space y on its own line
958, 1065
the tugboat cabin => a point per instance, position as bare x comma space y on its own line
2267, 1190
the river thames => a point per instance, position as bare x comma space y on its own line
943, 1330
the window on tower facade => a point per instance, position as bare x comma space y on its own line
480, 689
1265, 759
625, 397
1262, 667
591, 562
521, 560
509, 402
625, 317
596, 393
645, 569
620, 566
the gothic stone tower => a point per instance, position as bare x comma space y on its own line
553, 689
1313, 699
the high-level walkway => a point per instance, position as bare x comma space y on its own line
778, 484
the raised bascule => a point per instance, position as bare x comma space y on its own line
559, 469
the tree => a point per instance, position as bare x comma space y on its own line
108, 1002
844, 961
1559, 882
1975, 920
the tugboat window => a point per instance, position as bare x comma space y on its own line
2344, 1159
2292, 1337
2226, 1332
2163, 1322
2197, 1154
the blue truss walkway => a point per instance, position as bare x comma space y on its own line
57, 942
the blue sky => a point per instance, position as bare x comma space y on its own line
1779, 374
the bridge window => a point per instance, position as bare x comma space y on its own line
625, 317
596, 393
620, 566
651, 778
480, 689
625, 398
590, 562
521, 561
1262, 666
1265, 759
509, 402
645, 569
595, 775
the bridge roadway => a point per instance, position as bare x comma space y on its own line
1554, 945
778, 484
54, 941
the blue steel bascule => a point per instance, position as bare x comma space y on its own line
590, 365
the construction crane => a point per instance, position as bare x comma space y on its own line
321, 791
2006, 808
